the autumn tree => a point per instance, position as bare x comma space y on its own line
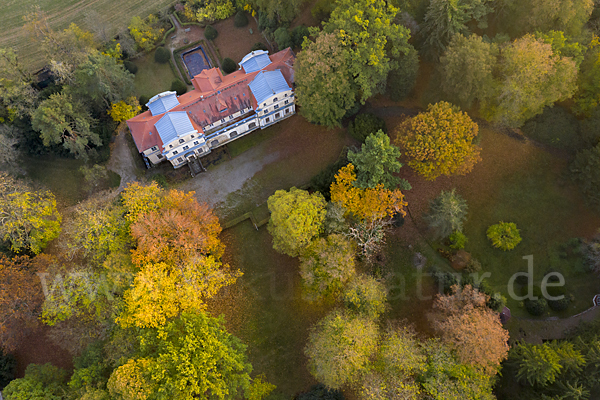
544, 15
324, 88
376, 162
471, 329
144, 32
29, 219
368, 32
447, 213
139, 200
61, 119
439, 141
466, 68
190, 357
122, 111
296, 218
21, 298
531, 77
587, 97
41, 382
339, 348
9, 140
16, 84
365, 296
326, 265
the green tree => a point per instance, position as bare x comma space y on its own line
467, 67
439, 141
586, 173
587, 97
544, 15
28, 219
283, 38
62, 119
190, 357
364, 125
447, 213
536, 364
326, 266
531, 78
376, 162
16, 84
402, 78
41, 382
296, 218
339, 348
282, 10
324, 90
366, 296
372, 39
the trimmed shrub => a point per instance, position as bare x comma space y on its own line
178, 86
130, 66
228, 65
162, 55
143, 100
240, 20
298, 35
283, 38
259, 46
458, 240
504, 235
560, 305
536, 307
210, 32
365, 125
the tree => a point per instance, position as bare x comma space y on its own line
537, 364
9, 154
190, 357
588, 82
139, 200
122, 111
545, 15
20, 298
144, 32
283, 38
298, 34
439, 141
241, 19
214, 10
228, 65
281, 10
61, 119
178, 231
471, 329
326, 266
364, 125
376, 162
467, 68
296, 218
210, 33
447, 213
131, 381
365, 296
28, 219
402, 79
531, 78
161, 291
41, 382
365, 204
504, 235
339, 348
178, 86
16, 84
372, 39
162, 55
324, 88
586, 173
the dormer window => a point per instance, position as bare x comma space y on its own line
175, 152
275, 99
186, 147
264, 104
154, 148
192, 136
223, 121
181, 140
196, 143
170, 146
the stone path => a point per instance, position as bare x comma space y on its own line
121, 160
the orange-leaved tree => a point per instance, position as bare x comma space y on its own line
439, 141
366, 204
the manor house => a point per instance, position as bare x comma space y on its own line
222, 108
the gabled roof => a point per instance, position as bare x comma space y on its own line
162, 102
255, 61
143, 131
173, 125
268, 83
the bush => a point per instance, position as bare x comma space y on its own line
265, 23
473, 266
298, 34
283, 38
504, 235
560, 305
240, 20
259, 46
323, 180
228, 65
7, 369
458, 240
161, 180
447, 214
323, 9
210, 32
321, 392
365, 125
162, 55
130, 66
178, 86
536, 307
556, 127
143, 100
496, 302
586, 173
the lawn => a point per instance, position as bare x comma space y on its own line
59, 175
152, 78
115, 15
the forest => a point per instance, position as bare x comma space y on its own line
427, 226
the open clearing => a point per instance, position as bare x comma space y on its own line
115, 15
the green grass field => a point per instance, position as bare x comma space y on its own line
115, 15
152, 78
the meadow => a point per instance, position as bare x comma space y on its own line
114, 15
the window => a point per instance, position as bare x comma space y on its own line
277, 115
264, 104
192, 136
231, 117
233, 134
175, 152
275, 99
267, 120
154, 148
181, 140
276, 106
223, 121
266, 111
200, 151
170, 146
251, 125
287, 110
159, 156
285, 95
287, 101
214, 143
186, 147
180, 160
196, 143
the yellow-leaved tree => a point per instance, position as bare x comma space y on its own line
439, 141
122, 111
145, 32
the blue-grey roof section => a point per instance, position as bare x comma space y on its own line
266, 84
172, 125
255, 61
163, 102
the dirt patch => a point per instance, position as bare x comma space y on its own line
234, 42
37, 348
121, 160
